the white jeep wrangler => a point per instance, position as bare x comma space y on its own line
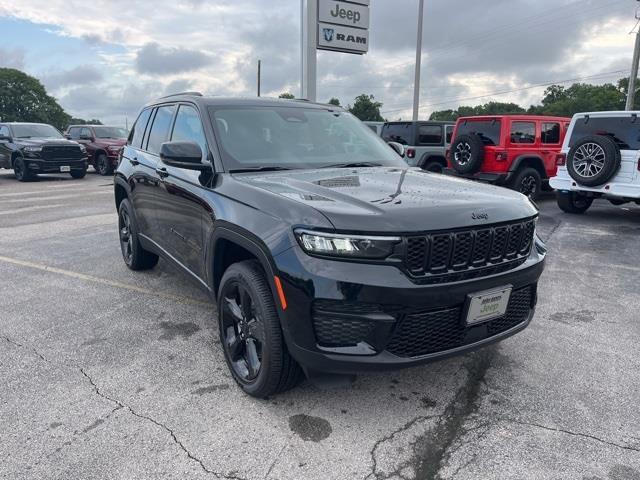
600, 158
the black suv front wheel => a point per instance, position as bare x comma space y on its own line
250, 332
134, 256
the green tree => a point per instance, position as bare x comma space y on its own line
490, 108
24, 99
581, 97
366, 108
334, 101
82, 121
286, 95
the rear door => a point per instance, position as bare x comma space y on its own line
430, 141
523, 140
182, 210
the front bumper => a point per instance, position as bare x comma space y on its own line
399, 323
493, 178
38, 165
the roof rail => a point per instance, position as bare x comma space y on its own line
195, 94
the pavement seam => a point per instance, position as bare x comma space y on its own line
574, 434
275, 460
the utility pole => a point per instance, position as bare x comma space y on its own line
631, 92
416, 83
258, 77
308, 43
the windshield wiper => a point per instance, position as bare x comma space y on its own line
353, 165
258, 169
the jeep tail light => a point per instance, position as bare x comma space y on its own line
411, 153
501, 157
561, 159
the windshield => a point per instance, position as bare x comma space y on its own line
35, 130
110, 132
290, 137
487, 130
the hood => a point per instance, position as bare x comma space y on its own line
388, 199
37, 142
110, 142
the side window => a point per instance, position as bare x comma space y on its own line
523, 132
430, 135
160, 129
85, 133
74, 133
449, 130
398, 132
550, 133
4, 131
188, 128
137, 132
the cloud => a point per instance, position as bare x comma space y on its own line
12, 58
81, 75
152, 58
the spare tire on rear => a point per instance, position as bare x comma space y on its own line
593, 160
467, 153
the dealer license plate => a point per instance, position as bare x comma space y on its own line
65, 169
485, 306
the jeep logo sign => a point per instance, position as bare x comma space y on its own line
342, 39
342, 13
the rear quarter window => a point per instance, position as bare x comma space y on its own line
623, 130
488, 130
398, 132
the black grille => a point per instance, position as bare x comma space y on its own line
424, 332
62, 152
444, 257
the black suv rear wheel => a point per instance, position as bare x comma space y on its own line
134, 256
250, 332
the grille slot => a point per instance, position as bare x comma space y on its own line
62, 152
425, 332
442, 257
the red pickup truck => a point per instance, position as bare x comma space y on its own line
517, 151
103, 144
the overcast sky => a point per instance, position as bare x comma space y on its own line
105, 59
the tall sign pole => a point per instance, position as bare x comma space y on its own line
309, 44
631, 90
416, 83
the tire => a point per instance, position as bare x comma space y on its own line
527, 181
254, 349
573, 202
433, 166
21, 171
467, 153
103, 165
78, 173
593, 160
616, 202
135, 257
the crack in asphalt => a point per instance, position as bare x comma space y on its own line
574, 434
120, 405
275, 460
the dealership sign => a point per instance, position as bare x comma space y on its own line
343, 26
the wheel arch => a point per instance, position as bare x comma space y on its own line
529, 160
121, 190
432, 157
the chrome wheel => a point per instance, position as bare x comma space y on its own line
462, 154
243, 332
588, 161
126, 239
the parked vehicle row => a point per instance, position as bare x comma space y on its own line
30, 149
324, 251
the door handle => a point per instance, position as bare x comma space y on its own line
162, 172
134, 161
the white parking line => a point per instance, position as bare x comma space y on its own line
29, 209
59, 197
103, 281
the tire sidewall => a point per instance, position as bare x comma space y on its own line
611, 163
477, 153
21, 173
103, 165
133, 231
524, 174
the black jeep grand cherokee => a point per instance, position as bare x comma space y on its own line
33, 148
326, 253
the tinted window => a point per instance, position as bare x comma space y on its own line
85, 133
430, 134
160, 128
398, 132
623, 130
550, 133
449, 130
110, 132
523, 132
488, 130
188, 128
74, 133
137, 132
374, 128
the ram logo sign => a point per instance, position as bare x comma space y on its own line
328, 34
342, 39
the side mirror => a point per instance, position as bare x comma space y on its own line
86, 137
398, 147
186, 155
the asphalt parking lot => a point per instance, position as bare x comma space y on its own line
111, 374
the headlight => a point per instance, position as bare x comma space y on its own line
32, 149
355, 246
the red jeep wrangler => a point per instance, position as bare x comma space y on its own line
517, 151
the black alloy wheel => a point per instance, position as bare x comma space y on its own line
134, 256
126, 239
21, 171
528, 182
103, 165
